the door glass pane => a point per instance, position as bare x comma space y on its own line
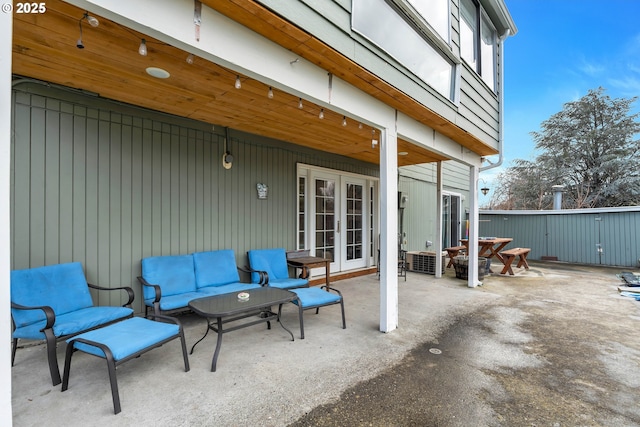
325, 219
354, 221
301, 213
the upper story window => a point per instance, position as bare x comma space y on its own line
385, 27
436, 13
478, 41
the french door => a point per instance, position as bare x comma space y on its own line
339, 219
451, 220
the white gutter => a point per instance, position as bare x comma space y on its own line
492, 165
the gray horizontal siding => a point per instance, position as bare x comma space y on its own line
107, 185
330, 21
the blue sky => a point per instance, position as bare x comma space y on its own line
562, 49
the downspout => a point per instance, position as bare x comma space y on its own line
492, 165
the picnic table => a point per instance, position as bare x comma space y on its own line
489, 247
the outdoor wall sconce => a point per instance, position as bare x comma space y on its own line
263, 190
484, 190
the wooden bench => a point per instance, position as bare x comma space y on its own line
510, 255
453, 252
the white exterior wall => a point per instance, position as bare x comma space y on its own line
6, 31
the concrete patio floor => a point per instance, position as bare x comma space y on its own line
265, 379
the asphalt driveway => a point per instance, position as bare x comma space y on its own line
559, 347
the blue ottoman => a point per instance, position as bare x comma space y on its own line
316, 297
123, 341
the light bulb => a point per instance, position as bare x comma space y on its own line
238, 84
300, 103
270, 93
344, 120
190, 59
321, 115
359, 125
142, 50
92, 20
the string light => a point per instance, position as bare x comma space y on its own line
270, 93
142, 50
300, 103
190, 59
238, 83
321, 115
344, 120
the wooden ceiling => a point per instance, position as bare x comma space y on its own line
44, 48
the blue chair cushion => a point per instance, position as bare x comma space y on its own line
127, 337
215, 268
172, 302
174, 274
74, 322
273, 261
288, 283
63, 287
315, 297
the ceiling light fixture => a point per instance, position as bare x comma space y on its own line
158, 73
344, 120
402, 153
93, 21
238, 83
321, 115
300, 103
79, 43
190, 59
142, 50
270, 93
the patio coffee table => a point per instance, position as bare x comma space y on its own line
230, 308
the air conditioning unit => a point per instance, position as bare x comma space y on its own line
424, 262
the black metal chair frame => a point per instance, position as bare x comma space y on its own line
317, 307
402, 264
51, 338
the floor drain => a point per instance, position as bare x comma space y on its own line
435, 351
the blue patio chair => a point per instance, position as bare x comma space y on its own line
53, 303
269, 267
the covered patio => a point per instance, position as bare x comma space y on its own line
263, 378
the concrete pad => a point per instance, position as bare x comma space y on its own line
263, 378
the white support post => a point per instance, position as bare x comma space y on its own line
389, 230
6, 37
438, 245
473, 227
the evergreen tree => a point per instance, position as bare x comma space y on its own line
591, 147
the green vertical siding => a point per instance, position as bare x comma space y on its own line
571, 236
107, 185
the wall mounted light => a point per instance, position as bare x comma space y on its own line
142, 49
485, 189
